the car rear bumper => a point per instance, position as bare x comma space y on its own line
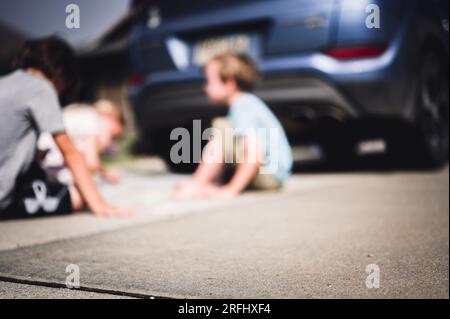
308, 97
310, 86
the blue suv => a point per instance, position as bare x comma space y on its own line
330, 67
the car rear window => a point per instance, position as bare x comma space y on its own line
174, 8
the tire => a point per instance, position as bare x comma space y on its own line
163, 146
339, 145
150, 142
181, 168
432, 112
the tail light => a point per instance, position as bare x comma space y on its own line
136, 79
360, 52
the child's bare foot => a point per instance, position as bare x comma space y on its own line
186, 189
213, 191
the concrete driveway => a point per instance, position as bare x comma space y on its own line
367, 234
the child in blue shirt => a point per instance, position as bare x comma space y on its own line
250, 140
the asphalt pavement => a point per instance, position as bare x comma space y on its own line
331, 234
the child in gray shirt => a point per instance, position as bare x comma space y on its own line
29, 105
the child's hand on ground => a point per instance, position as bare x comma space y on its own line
110, 211
111, 176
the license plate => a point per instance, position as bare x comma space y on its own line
208, 49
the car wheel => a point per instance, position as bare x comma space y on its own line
163, 146
339, 146
180, 168
432, 117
